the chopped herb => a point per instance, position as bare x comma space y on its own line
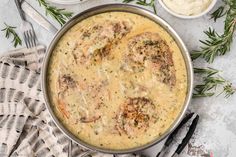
150, 42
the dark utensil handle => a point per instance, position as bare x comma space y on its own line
21, 12
172, 135
188, 135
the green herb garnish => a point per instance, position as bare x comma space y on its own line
60, 15
151, 3
208, 72
218, 13
10, 31
127, 1
209, 82
216, 44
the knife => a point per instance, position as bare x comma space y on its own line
35, 15
173, 134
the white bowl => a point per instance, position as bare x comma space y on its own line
188, 16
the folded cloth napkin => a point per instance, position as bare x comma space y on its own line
26, 128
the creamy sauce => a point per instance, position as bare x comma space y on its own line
188, 7
117, 80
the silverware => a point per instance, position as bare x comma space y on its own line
37, 17
26, 28
122, 8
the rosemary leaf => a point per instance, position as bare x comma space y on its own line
127, 1
60, 15
10, 31
203, 95
207, 71
143, 2
151, 3
218, 13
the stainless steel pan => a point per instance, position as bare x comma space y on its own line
121, 8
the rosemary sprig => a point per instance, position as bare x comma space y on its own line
218, 13
10, 31
208, 84
151, 3
216, 44
208, 71
60, 15
210, 81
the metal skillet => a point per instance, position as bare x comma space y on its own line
118, 8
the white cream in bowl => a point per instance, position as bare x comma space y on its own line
188, 8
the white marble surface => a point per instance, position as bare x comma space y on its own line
216, 131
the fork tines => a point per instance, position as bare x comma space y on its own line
29, 38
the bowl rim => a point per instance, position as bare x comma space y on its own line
117, 8
210, 7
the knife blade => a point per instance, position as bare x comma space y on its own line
37, 17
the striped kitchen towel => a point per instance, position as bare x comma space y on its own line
26, 128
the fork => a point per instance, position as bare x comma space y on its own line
26, 28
